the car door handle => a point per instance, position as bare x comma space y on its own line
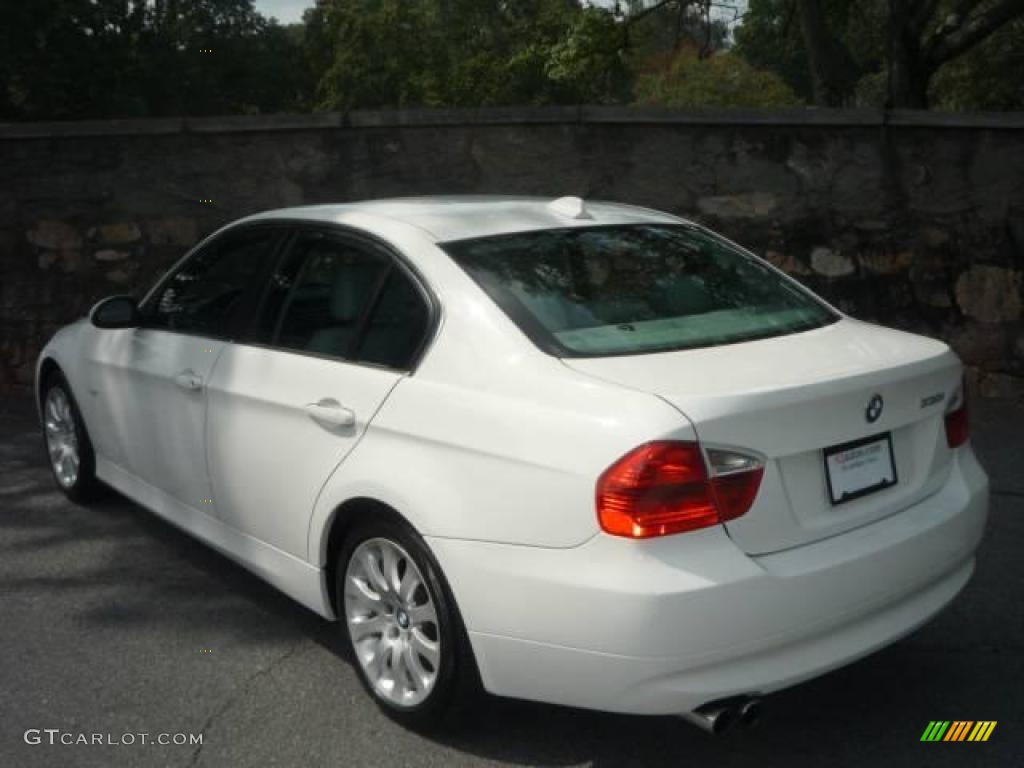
331, 413
189, 380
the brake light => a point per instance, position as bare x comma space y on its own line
957, 423
664, 487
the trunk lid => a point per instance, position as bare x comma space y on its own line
789, 398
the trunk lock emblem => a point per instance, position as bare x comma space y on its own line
874, 409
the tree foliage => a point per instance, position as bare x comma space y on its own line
393, 53
73, 59
897, 53
62, 59
989, 77
772, 37
720, 80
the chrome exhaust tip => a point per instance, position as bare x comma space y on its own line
713, 718
717, 717
750, 712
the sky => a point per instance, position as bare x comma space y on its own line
286, 11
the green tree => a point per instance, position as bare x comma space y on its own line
71, 59
902, 53
985, 78
396, 53
773, 36
721, 80
588, 63
924, 35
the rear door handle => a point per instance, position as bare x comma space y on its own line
330, 413
189, 379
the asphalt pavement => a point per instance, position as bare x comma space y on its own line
115, 623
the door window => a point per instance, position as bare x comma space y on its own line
203, 296
323, 290
335, 297
397, 325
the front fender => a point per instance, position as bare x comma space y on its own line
63, 349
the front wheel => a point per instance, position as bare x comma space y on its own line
67, 443
403, 627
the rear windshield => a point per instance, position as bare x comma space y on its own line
639, 288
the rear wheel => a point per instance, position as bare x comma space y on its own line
67, 443
404, 631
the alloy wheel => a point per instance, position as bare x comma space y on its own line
392, 622
61, 438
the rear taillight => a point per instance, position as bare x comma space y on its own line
665, 487
957, 424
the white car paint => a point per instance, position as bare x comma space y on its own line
491, 449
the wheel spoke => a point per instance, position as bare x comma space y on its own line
429, 649
51, 406
383, 662
367, 626
410, 583
361, 591
390, 560
400, 672
373, 569
417, 672
421, 614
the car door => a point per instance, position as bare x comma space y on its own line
151, 381
340, 324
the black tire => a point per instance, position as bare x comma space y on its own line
86, 487
457, 681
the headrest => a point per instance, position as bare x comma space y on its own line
353, 281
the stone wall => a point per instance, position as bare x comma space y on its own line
915, 220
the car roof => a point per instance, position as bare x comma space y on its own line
451, 218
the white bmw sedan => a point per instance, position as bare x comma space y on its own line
581, 453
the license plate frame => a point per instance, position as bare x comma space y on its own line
885, 481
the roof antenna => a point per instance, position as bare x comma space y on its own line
570, 208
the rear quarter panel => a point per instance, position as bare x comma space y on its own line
491, 464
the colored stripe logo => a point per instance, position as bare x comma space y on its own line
958, 730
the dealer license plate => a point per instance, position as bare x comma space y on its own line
853, 470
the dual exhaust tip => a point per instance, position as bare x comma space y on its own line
717, 717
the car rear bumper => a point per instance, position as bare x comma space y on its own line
664, 625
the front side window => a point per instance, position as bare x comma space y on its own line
630, 289
203, 295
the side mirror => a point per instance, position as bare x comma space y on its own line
115, 312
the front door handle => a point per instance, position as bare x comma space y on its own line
189, 379
330, 413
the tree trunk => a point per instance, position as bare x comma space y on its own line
914, 55
908, 74
826, 57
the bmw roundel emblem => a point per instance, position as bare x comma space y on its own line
874, 409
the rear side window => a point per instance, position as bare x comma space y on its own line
333, 286
630, 289
204, 294
398, 325
334, 297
